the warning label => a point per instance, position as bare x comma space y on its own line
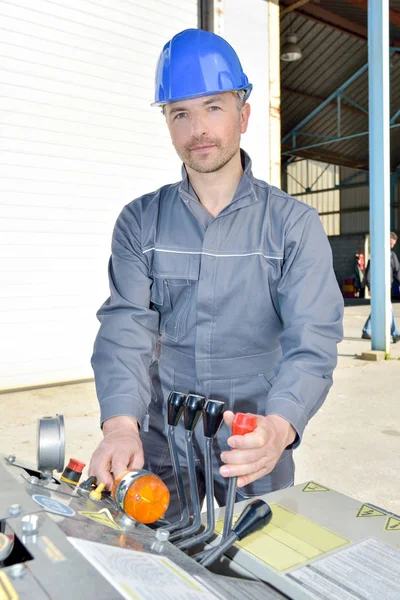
104, 517
7, 591
311, 486
367, 570
289, 540
392, 524
51, 550
369, 511
141, 576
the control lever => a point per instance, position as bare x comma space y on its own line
255, 516
176, 402
212, 418
191, 415
242, 424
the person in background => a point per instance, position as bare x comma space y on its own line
394, 277
358, 271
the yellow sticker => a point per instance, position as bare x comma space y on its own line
392, 524
289, 540
7, 591
104, 517
369, 511
51, 550
315, 487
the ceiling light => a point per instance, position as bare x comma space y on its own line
290, 51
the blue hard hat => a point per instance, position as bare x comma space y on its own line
198, 63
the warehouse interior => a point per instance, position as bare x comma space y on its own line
324, 104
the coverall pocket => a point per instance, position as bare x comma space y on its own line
178, 293
173, 289
267, 382
249, 394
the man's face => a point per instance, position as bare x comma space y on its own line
206, 131
392, 242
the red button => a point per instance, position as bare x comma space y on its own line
243, 423
76, 465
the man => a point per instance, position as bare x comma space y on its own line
221, 285
394, 276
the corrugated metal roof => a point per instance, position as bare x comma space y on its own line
331, 57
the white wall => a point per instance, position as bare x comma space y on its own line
78, 141
245, 26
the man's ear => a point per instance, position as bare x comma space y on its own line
244, 117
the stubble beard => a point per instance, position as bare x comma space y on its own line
203, 163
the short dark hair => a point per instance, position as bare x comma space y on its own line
393, 236
239, 96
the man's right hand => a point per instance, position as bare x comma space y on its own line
121, 450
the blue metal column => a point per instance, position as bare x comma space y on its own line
379, 165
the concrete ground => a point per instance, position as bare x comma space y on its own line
351, 445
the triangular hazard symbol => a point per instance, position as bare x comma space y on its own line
104, 517
392, 524
368, 511
314, 487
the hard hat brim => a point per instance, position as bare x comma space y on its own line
248, 88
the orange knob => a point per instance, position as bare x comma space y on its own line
146, 498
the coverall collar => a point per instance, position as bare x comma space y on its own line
244, 195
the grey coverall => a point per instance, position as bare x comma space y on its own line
243, 307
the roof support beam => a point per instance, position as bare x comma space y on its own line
331, 98
395, 116
293, 7
394, 15
326, 17
331, 140
331, 157
320, 99
335, 188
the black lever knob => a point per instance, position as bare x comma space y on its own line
213, 413
192, 410
176, 402
256, 514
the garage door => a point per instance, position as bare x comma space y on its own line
78, 141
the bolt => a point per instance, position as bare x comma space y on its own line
30, 524
17, 571
14, 510
157, 546
127, 521
11, 459
33, 480
162, 535
30, 539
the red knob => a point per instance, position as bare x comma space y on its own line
243, 423
75, 465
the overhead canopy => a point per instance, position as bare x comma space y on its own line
333, 73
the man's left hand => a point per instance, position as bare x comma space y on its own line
256, 454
